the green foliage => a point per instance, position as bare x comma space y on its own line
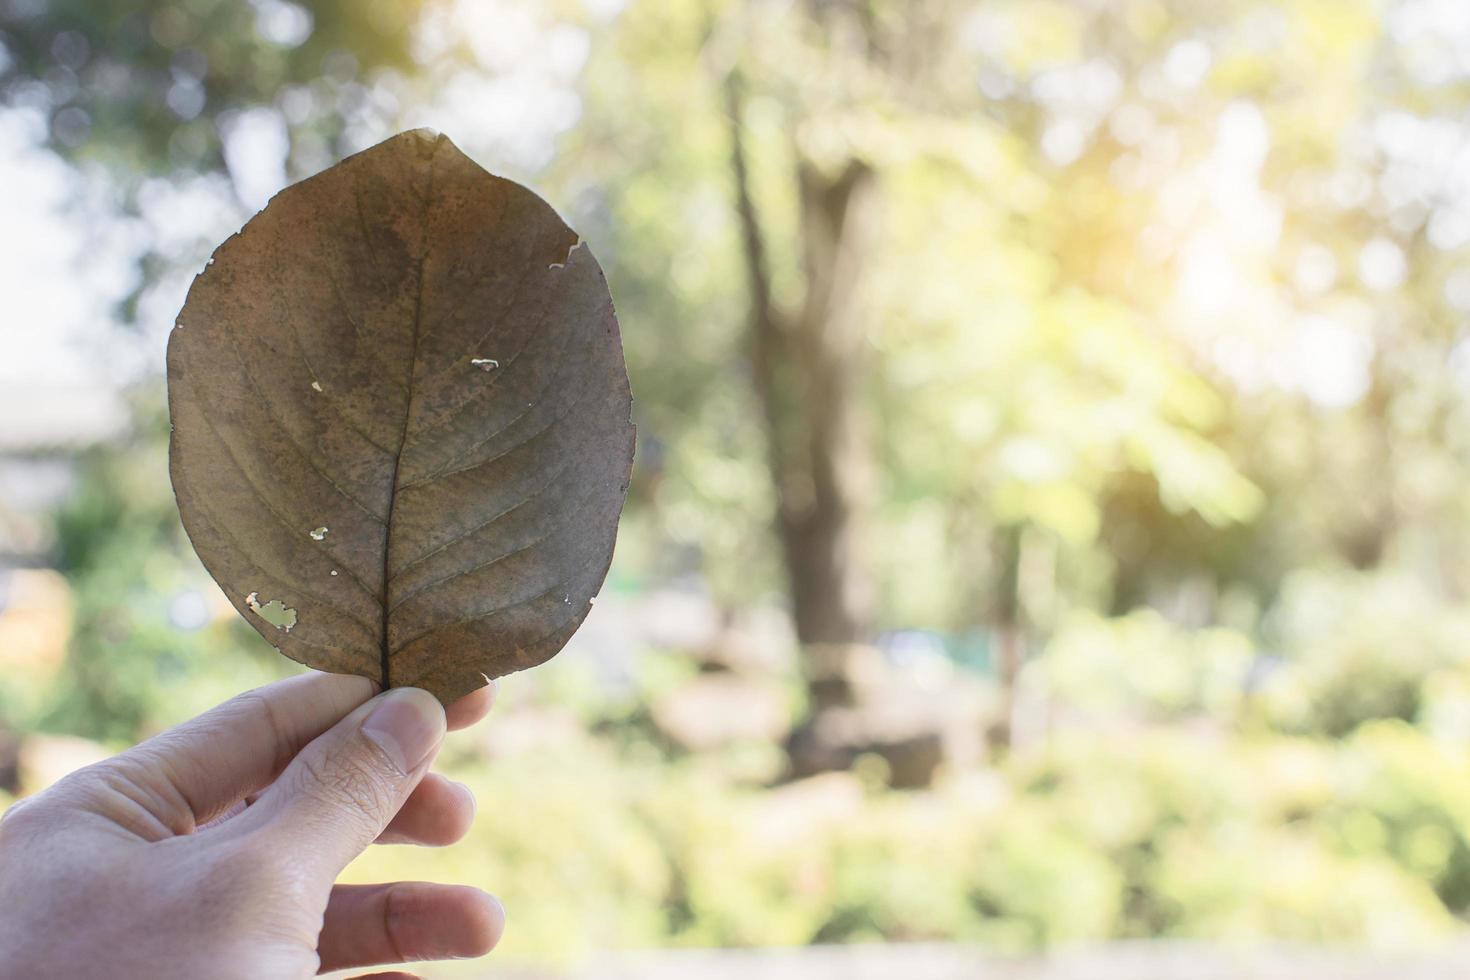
1037, 885
1156, 834
1360, 648
1142, 665
1408, 798
140, 86
1157, 830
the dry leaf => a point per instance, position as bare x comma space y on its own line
401, 435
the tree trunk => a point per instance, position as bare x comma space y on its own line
806, 370
826, 483
1008, 634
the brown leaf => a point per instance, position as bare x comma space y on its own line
401, 435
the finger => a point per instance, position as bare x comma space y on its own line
340, 792
437, 813
472, 707
395, 975
434, 815
198, 770
366, 925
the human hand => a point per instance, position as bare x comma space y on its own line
211, 850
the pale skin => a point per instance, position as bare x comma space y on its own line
212, 850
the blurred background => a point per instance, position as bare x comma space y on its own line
1049, 541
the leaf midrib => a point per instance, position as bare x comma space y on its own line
385, 676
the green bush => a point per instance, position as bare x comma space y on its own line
1038, 884
559, 839
1358, 648
1153, 833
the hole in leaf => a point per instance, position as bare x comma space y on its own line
275, 612
485, 363
334, 572
319, 533
563, 263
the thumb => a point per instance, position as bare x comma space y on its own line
339, 792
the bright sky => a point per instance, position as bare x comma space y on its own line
60, 280
57, 282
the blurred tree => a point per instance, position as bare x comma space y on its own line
808, 371
151, 87
883, 204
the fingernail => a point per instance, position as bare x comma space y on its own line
497, 920
407, 724
469, 796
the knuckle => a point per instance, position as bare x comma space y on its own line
395, 913
45, 812
19, 818
255, 704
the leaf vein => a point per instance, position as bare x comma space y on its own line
285, 431
284, 522
485, 615
443, 474
481, 390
